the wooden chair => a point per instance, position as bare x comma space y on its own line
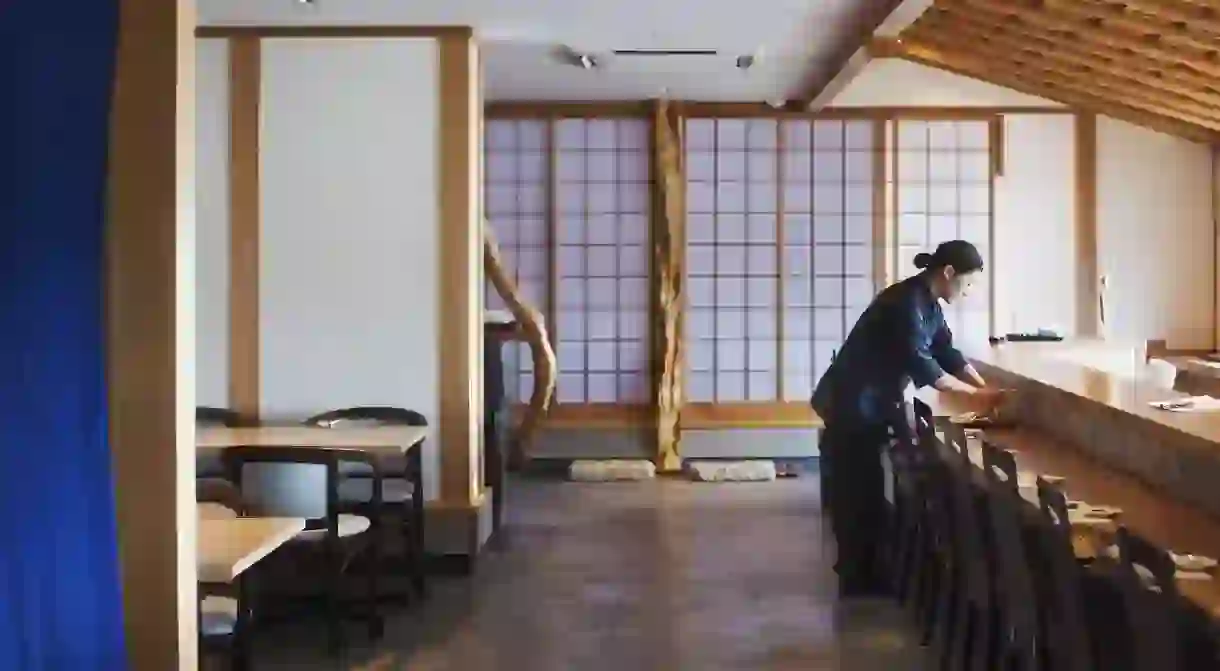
205, 416
1015, 625
402, 484
1069, 643
1145, 577
303, 482
934, 606
210, 417
975, 593
223, 624
908, 524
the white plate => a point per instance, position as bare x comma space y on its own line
1190, 562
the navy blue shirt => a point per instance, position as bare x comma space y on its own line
902, 337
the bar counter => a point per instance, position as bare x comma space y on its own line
1107, 416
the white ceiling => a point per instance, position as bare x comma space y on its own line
792, 39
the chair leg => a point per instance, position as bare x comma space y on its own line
986, 655
334, 600
961, 643
242, 627
948, 620
376, 624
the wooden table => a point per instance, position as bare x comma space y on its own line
227, 546
1169, 523
383, 442
396, 448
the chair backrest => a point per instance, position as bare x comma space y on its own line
205, 416
1146, 580
293, 481
372, 415
1015, 583
1067, 626
925, 423
967, 509
220, 493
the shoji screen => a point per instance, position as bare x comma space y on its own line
828, 194
601, 205
779, 251
732, 260
944, 192
516, 183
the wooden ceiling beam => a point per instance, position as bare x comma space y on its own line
887, 19
1066, 28
947, 31
1174, 11
888, 49
1102, 56
1091, 83
1137, 24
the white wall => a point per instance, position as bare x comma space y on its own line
1155, 211
350, 228
1156, 235
1035, 222
894, 82
212, 221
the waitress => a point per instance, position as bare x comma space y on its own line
902, 338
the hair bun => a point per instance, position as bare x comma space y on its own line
923, 260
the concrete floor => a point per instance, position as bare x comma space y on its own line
665, 575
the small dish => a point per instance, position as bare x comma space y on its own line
1189, 562
1100, 511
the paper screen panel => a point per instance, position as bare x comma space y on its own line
516, 177
943, 183
602, 259
828, 188
732, 260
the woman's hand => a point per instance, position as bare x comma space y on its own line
985, 401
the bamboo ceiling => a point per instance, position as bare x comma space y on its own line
1155, 63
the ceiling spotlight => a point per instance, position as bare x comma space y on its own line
587, 62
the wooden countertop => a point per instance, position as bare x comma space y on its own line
1171, 524
1126, 394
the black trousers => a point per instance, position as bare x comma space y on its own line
853, 483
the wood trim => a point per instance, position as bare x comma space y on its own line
880, 239
596, 416
929, 113
257, 32
149, 285
1087, 270
460, 246
892, 184
245, 226
535, 109
780, 241
746, 415
995, 133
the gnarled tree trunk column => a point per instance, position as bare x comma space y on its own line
668, 251
530, 327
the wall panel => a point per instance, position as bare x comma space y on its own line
350, 265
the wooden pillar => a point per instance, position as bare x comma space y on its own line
668, 244
150, 285
1087, 268
245, 93
460, 286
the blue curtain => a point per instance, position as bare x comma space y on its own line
60, 592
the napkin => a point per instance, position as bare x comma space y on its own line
1189, 404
